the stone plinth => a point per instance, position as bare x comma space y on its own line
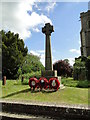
49, 73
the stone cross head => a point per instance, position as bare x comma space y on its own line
48, 29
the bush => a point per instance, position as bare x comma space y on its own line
82, 68
83, 84
75, 83
30, 75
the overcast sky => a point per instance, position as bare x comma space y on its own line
27, 17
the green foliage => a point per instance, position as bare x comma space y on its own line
19, 72
32, 64
79, 70
79, 63
33, 74
83, 84
30, 75
13, 53
82, 68
75, 83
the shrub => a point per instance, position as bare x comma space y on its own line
83, 84
75, 83
63, 68
30, 75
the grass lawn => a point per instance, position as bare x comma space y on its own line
14, 90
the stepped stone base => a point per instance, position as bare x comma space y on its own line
49, 73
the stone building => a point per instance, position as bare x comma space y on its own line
82, 72
85, 33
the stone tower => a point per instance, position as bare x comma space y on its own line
85, 33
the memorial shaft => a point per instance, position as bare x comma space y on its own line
47, 30
48, 53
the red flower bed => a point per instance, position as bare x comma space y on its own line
43, 83
54, 83
33, 82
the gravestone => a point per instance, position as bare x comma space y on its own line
49, 72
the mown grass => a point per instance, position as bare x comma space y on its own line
14, 90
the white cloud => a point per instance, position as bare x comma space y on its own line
15, 17
41, 51
50, 6
41, 54
46, 0
36, 30
75, 51
34, 53
71, 61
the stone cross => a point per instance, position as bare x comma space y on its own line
48, 29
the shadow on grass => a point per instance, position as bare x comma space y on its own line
48, 91
43, 91
25, 84
29, 90
15, 93
22, 91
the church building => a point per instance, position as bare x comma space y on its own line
85, 33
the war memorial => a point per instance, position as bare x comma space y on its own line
22, 110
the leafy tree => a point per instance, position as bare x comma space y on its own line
79, 67
63, 68
13, 53
79, 62
32, 64
66, 60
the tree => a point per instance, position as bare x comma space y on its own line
63, 68
79, 68
66, 60
13, 53
32, 64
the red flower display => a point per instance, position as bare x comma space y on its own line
43, 83
33, 82
54, 83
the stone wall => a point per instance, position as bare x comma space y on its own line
71, 113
